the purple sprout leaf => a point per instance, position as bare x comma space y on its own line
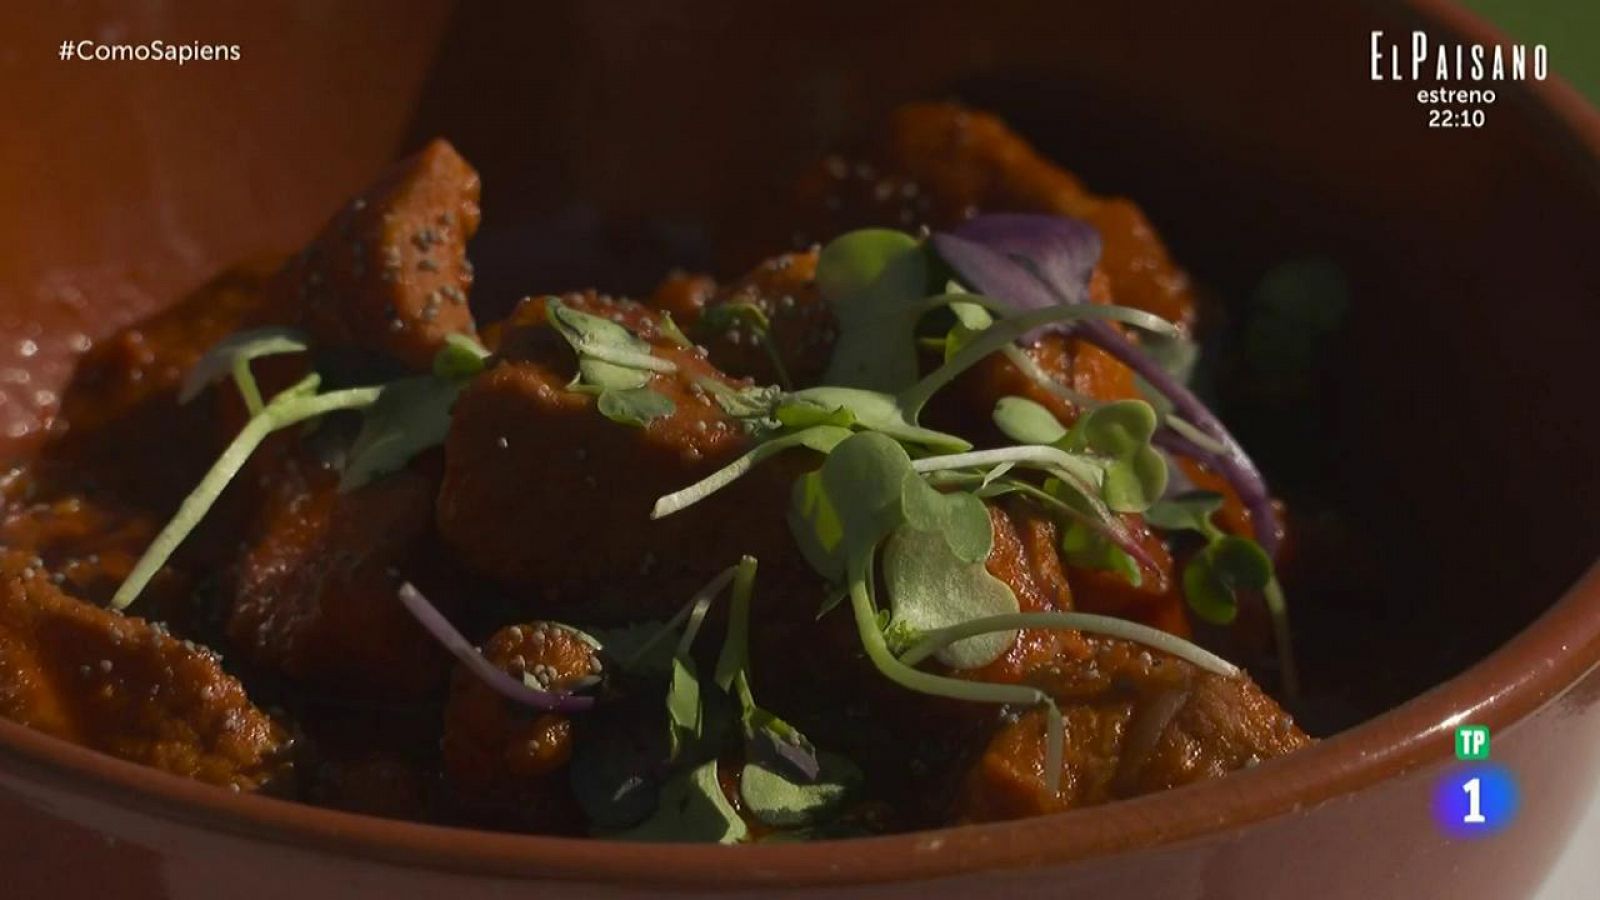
501, 681
1031, 261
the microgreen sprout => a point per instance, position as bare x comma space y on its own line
1039, 261
870, 499
691, 808
1007, 331
874, 280
871, 502
597, 339
785, 782
298, 404
403, 418
614, 364
231, 357
701, 597
1226, 565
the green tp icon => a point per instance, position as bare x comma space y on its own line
1472, 742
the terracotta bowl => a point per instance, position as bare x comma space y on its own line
1457, 432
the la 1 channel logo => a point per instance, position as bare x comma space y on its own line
1476, 797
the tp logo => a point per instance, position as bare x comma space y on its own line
1472, 742
1478, 798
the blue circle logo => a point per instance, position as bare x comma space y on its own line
1475, 800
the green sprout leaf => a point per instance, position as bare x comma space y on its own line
615, 364
960, 517
753, 404
610, 357
410, 415
1027, 422
1120, 432
1087, 548
670, 328
781, 802
734, 660
971, 318
855, 264
684, 713
231, 357
865, 477
1226, 565
692, 809
873, 279
460, 359
769, 740
817, 529
1190, 511
931, 588
602, 339
1115, 429
599, 376
1213, 579
800, 412
868, 411
635, 406
1117, 434
845, 508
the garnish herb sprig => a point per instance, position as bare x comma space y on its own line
614, 364
1039, 261
403, 418
785, 782
1223, 568
875, 281
874, 503
867, 497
